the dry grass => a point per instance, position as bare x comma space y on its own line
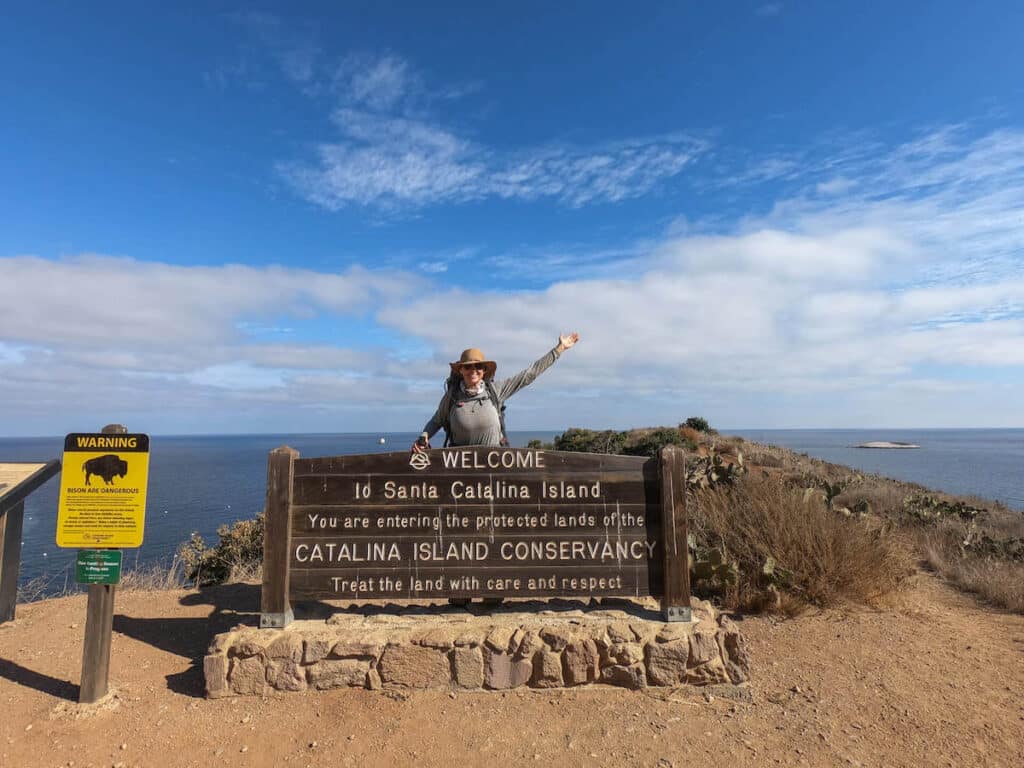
998, 582
155, 576
822, 558
884, 497
39, 588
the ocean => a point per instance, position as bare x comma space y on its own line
979, 462
199, 483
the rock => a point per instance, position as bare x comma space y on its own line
338, 673
470, 639
441, 638
733, 647
373, 681
413, 666
248, 644
666, 662
499, 639
287, 645
580, 662
644, 631
221, 643
733, 692
530, 646
736, 673
286, 675
248, 676
516, 640
467, 667
357, 644
630, 676
598, 633
676, 630
625, 653
557, 637
316, 648
620, 632
502, 670
707, 674
547, 669
215, 670
703, 648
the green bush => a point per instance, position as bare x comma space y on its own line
698, 423
648, 443
237, 556
590, 441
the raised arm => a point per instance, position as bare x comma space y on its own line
513, 384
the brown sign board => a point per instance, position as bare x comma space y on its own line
471, 522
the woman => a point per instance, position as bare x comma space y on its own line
471, 410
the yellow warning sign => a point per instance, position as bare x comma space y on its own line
103, 490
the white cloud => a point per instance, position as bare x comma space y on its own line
110, 302
392, 154
377, 83
399, 162
889, 301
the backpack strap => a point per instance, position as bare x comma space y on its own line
446, 408
492, 392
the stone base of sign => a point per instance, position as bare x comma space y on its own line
508, 647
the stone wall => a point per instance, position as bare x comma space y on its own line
418, 647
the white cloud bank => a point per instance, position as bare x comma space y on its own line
896, 299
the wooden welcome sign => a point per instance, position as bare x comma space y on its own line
474, 522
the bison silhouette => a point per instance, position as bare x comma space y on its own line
106, 467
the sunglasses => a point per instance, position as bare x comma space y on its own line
473, 367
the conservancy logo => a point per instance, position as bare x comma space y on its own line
419, 461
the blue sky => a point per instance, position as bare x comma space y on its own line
219, 218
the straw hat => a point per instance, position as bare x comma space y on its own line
474, 355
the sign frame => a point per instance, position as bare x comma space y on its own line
299, 487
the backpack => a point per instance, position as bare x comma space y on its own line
451, 385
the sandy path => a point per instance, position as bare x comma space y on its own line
934, 679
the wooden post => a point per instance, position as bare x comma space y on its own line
99, 623
10, 559
275, 609
675, 601
12, 516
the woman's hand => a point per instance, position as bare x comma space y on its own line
567, 340
421, 445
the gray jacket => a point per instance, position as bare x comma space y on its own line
474, 419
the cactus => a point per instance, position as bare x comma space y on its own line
715, 568
711, 565
929, 509
711, 470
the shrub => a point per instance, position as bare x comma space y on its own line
590, 441
787, 544
237, 556
698, 423
692, 435
649, 442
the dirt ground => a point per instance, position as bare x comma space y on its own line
932, 680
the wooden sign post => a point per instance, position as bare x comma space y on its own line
474, 522
102, 505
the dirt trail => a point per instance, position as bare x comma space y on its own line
933, 680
